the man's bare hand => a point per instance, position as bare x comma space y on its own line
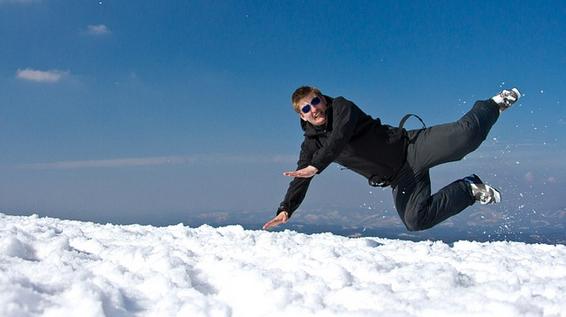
306, 172
282, 217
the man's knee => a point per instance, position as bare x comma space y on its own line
469, 137
413, 221
414, 226
475, 125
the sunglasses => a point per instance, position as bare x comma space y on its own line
306, 108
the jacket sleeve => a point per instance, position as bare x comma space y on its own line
298, 186
346, 116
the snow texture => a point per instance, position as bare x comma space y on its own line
53, 267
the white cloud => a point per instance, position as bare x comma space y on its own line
99, 29
126, 162
161, 160
50, 76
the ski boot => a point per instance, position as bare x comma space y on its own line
506, 98
483, 193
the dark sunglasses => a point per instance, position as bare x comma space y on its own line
306, 108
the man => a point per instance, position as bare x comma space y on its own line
336, 130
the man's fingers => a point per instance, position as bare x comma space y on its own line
306, 172
271, 224
279, 219
296, 174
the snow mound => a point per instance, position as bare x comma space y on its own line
53, 267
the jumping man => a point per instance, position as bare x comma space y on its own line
336, 130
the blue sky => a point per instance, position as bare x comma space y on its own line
156, 111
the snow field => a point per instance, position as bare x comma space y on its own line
52, 267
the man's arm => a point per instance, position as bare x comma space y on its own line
294, 197
297, 187
346, 116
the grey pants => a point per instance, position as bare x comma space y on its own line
432, 146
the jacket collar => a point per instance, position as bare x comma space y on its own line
313, 131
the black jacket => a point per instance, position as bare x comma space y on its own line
352, 139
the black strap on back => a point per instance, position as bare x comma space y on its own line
407, 116
378, 181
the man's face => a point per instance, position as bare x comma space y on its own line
316, 114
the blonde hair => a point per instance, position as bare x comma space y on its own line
301, 93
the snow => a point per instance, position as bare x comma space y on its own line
53, 267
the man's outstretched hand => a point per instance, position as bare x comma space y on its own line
282, 217
306, 172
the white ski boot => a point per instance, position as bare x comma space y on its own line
483, 193
506, 98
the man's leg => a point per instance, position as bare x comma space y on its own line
433, 146
418, 209
451, 142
